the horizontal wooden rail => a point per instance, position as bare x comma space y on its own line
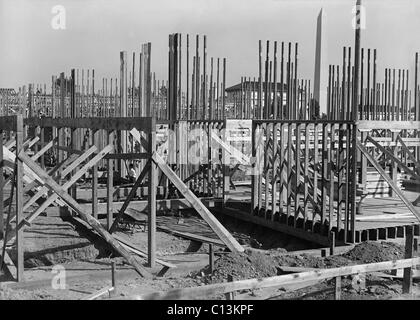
8, 123
367, 125
144, 124
277, 281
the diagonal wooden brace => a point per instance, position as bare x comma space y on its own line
130, 196
67, 185
65, 172
95, 224
211, 220
387, 178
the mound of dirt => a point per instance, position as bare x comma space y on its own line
247, 265
371, 252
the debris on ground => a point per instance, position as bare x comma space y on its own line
371, 252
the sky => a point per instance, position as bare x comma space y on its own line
31, 51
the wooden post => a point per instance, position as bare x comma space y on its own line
188, 78
152, 184
1, 186
337, 288
205, 113
260, 85
122, 141
42, 142
416, 98
357, 40
230, 295
211, 257
332, 242
113, 278
224, 88
109, 184
408, 274
94, 179
19, 199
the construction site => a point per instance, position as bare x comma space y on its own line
276, 187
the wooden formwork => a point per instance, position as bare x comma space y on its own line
59, 182
309, 178
303, 176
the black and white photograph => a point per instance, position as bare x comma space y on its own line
224, 151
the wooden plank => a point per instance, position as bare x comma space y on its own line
94, 141
394, 159
282, 227
128, 245
408, 152
66, 186
29, 143
2, 185
95, 224
19, 200
152, 185
297, 175
29, 176
62, 174
143, 124
368, 125
408, 273
8, 123
388, 179
99, 293
276, 281
130, 196
190, 236
161, 204
44, 149
110, 182
216, 226
8, 263
86, 154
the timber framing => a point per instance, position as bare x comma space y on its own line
305, 198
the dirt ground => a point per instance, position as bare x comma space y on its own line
52, 242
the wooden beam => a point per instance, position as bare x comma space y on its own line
19, 199
2, 185
368, 125
44, 149
161, 204
216, 226
110, 182
130, 196
394, 159
66, 186
143, 124
8, 123
408, 272
387, 178
62, 174
129, 246
95, 224
276, 281
152, 185
191, 236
